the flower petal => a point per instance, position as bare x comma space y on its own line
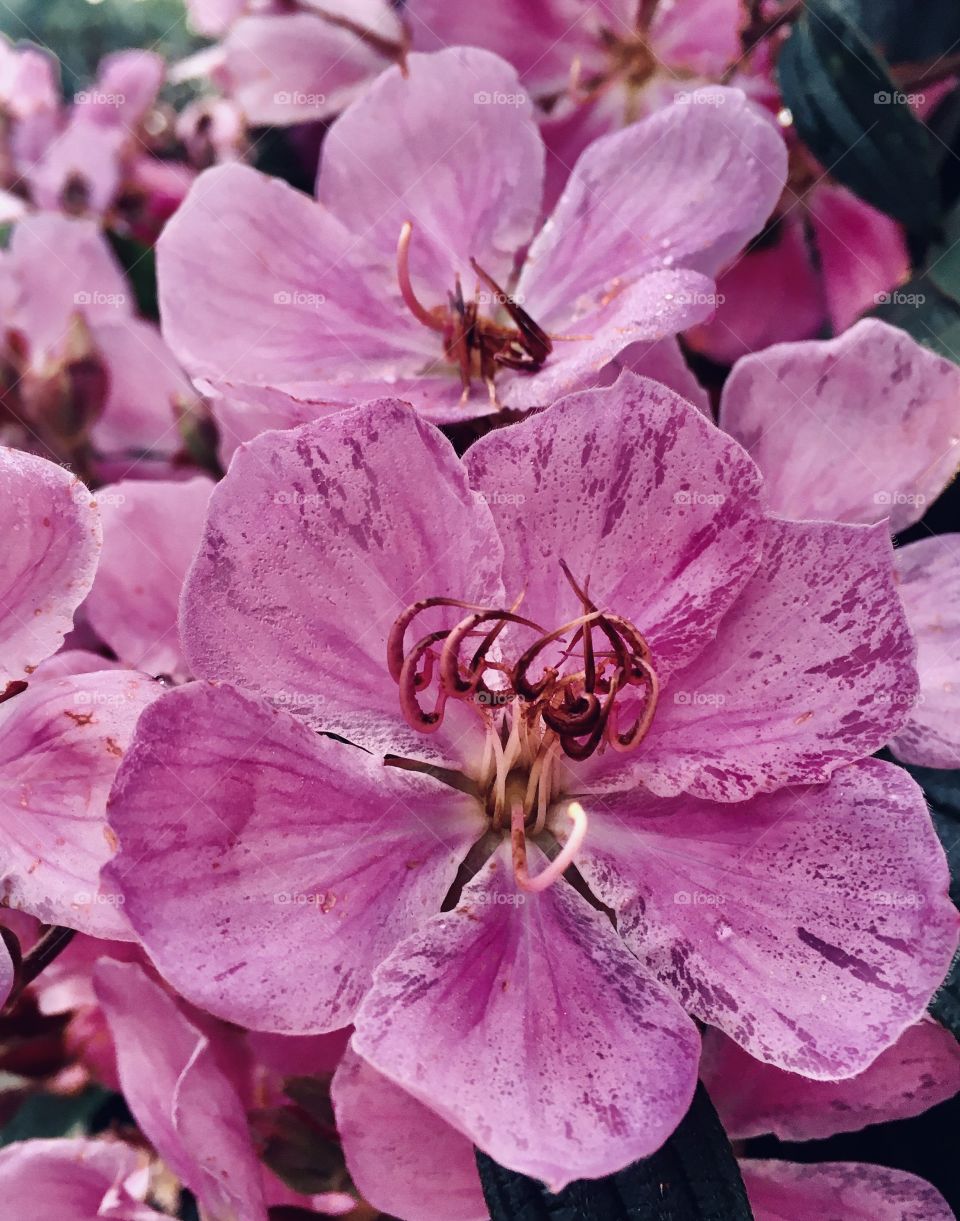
929, 576
526, 1024
60, 744
635, 490
182, 1101
859, 428
839, 1191
315, 543
813, 925
919, 1071
268, 870
402, 1156
714, 167
453, 146
151, 532
51, 531
814, 666
71, 1179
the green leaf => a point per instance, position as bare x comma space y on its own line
907, 31
855, 121
49, 1115
923, 311
140, 264
694, 1177
943, 265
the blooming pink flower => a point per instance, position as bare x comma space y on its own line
719, 675
400, 277
86, 380
866, 428
74, 1180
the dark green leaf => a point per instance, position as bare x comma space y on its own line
694, 1177
944, 257
49, 1115
907, 31
854, 120
140, 264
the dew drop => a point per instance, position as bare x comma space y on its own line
722, 930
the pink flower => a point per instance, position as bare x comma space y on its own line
866, 428
74, 1180
400, 278
621, 661
87, 381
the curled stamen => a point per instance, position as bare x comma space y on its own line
633, 737
419, 311
521, 684
561, 862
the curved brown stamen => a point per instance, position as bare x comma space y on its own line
420, 312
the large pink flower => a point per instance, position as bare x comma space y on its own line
719, 675
401, 277
866, 428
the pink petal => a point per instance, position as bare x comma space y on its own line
317, 531
71, 1180
146, 388
919, 1071
929, 576
62, 267
8, 973
126, 87
701, 35
301, 843
859, 428
771, 294
259, 284
714, 168
180, 1098
296, 67
813, 666
541, 41
151, 532
636, 491
212, 17
52, 534
60, 744
663, 362
524, 1022
755, 913
83, 153
839, 1191
862, 252
403, 1158
454, 147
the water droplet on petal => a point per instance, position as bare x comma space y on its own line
722, 930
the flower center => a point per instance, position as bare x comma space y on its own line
562, 693
476, 346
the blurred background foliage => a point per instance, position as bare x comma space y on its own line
80, 32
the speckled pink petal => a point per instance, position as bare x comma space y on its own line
51, 540
403, 1158
541, 40
929, 581
636, 492
182, 1101
62, 267
151, 532
662, 362
258, 284
839, 1191
770, 294
524, 1021
859, 428
71, 1180
61, 742
268, 870
294, 67
714, 167
863, 253
813, 666
452, 146
755, 913
919, 1071
316, 541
